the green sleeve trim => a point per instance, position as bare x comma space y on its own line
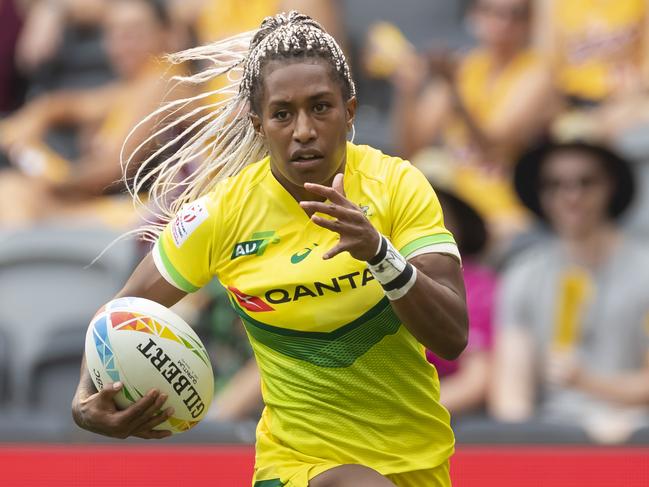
268, 483
182, 283
440, 238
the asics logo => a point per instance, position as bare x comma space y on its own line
300, 255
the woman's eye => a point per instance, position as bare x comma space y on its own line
320, 107
281, 115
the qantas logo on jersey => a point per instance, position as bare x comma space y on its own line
280, 295
336, 285
255, 246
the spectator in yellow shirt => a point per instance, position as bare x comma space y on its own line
44, 184
480, 110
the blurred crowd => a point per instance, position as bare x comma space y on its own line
527, 116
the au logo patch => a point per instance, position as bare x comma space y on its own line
255, 246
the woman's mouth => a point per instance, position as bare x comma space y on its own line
306, 161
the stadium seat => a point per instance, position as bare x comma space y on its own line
55, 373
483, 430
422, 22
22, 426
4, 369
45, 282
640, 437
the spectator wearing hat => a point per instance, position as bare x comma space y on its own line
464, 381
572, 346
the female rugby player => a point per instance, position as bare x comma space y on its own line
336, 258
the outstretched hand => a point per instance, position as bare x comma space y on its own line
357, 235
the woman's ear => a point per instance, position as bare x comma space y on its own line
350, 109
256, 123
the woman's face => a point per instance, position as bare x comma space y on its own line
502, 24
574, 192
133, 35
304, 120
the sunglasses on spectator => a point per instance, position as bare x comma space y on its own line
514, 14
583, 183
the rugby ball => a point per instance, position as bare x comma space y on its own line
145, 345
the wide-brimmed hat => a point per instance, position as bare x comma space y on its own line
473, 231
528, 170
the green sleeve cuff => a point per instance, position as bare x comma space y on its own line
440, 238
168, 271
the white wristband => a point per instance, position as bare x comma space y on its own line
401, 292
392, 270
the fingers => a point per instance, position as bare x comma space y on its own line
333, 225
337, 184
154, 421
150, 413
139, 407
109, 391
141, 417
331, 210
330, 193
324, 191
334, 251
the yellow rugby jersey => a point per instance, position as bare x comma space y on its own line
597, 42
343, 381
485, 97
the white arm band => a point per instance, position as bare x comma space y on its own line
392, 270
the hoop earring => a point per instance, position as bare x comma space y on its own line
353, 133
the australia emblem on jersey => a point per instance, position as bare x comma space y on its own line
256, 245
188, 220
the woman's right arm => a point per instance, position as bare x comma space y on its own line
95, 410
420, 108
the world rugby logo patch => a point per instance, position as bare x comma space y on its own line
188, 220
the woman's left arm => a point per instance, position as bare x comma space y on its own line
434, 308
431, 301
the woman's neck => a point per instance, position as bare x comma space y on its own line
297, 191
502, 56
592, 249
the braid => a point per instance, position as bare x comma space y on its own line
292, 36
220, 139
